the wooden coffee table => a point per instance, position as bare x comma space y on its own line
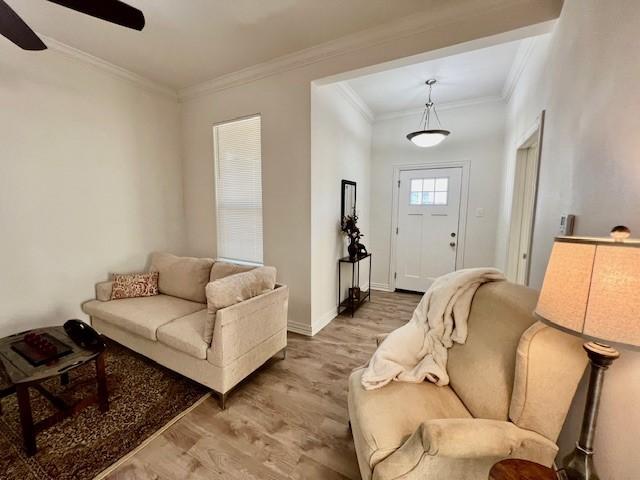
19, 375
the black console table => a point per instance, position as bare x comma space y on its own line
355, 297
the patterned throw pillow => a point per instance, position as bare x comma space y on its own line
132, 285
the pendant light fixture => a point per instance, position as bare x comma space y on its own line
428, 137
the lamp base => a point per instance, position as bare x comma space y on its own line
579, 464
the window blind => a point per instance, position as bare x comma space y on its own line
238, 170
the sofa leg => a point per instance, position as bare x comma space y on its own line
284, 353
222, 399
350, 427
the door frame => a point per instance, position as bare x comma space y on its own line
535, 133
462, 214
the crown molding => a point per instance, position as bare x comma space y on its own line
108, 67
356, 101
517, 67
440, 106
404, 27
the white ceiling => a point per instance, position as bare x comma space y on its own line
186, 42
479, 74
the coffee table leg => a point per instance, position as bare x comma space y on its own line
26, 419
101, 377
64, 379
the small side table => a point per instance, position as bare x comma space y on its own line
18, 375
352, 302
516, 469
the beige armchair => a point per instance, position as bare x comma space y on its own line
511, 387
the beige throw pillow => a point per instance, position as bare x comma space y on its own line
222, 269
234, 289
131, 285
182, 277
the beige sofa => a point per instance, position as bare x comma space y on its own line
169, 328
511, 386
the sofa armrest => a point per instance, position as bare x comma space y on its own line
103, 291
469, 439
242, 326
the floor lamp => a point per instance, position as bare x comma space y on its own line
592, 288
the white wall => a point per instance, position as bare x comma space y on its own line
529, 98
90, 182
477, 137
284, 101
340, 149
587, 82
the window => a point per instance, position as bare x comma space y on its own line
238, 172
429, 191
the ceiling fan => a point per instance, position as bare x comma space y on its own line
114, 11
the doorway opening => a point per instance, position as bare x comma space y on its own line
359, 126
523, 207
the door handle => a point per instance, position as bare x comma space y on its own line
452, 244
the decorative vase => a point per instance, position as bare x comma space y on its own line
353, 249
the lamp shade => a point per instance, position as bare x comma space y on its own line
428, 138
592, 287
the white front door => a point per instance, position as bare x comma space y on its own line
427, 233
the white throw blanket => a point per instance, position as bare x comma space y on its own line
418, 350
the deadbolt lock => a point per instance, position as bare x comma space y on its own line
453, 234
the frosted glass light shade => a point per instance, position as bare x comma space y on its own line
592, 287
428, 138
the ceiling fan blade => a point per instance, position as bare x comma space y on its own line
14, 28
113, 11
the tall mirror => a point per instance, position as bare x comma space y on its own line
348, 204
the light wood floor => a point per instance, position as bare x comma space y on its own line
287, 420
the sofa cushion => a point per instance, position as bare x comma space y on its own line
103, 290
481, 371
383, 419
182, 277
234, 289
142, 315
224, 269
185, 334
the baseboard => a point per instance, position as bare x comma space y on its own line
383, 287
323, 321
315, 327
301, 328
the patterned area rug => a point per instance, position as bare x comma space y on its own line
143, 397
